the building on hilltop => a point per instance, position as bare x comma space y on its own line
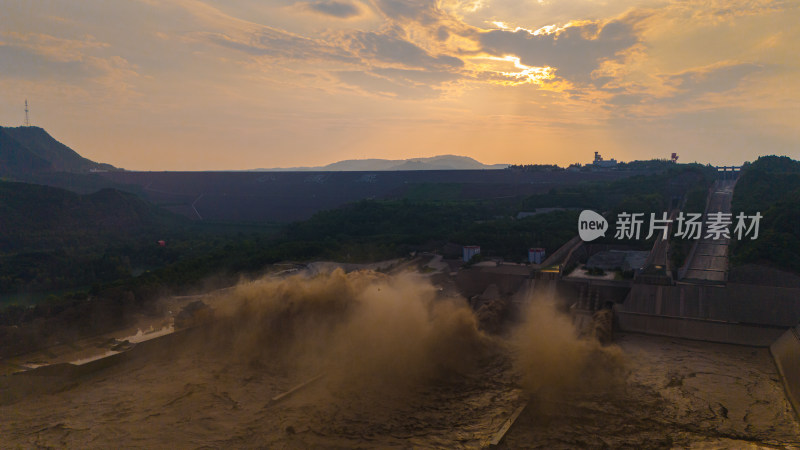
603, 163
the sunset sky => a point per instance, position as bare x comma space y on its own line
242, 84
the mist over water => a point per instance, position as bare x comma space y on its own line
362, 328
402, 367
551, 357
369, 330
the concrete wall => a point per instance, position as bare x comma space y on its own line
786, 352
764, 276
740, 303
698, 329
737, 313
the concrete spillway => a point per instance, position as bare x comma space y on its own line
708, 260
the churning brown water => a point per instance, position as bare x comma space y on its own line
393, 365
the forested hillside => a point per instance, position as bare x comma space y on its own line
771, 186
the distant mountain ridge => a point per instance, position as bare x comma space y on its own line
30, 150
441, 162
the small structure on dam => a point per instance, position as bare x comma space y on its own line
618, 260
536, 255
469, 252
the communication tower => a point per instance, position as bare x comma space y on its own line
27, 119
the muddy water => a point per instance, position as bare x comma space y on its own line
403, 368
677, 394
201, 401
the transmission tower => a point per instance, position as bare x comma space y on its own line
27, 119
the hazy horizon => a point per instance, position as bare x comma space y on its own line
242, 85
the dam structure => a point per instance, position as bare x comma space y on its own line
705, 299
